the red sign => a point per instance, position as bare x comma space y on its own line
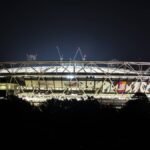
121, 87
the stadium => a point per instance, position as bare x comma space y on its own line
38, 81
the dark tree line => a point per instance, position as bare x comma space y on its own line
76, 124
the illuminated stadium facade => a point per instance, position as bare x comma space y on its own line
42, 80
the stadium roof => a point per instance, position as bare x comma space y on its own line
101, 67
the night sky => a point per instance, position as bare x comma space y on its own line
103, 29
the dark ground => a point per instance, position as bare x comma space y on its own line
74, 125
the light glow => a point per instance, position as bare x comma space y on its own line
70, 76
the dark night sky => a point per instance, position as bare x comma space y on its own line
104, 30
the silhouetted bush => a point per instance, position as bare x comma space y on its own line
81, 124
139, 106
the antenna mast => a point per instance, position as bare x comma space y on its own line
60, 55
80, 52
31, 57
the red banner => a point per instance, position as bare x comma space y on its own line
121, 87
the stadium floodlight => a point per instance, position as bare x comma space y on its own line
70, 76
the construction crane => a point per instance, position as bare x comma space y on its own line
60, 55
81, 54
31, 57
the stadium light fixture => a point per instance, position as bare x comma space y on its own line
70, 76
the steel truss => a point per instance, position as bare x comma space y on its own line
78, 70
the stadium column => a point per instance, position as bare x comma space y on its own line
39, 82
32, 84
61, 83
86, 83
94, 82
53, 82
7, 88
46, 83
